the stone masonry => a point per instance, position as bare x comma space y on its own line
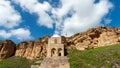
55, 54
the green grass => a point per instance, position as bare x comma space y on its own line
106, 57
1, 42
16, 62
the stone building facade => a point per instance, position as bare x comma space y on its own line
55, 47
55, 54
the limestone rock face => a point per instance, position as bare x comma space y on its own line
1, 42
95, 37
39, 50
7, 49
92, 38
32, 49
21, 49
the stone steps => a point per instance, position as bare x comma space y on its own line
55, 62
36, 65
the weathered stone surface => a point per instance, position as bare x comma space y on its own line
95, 37
35, 66
55, 62
39, 50
55, 54
92, 38
32, 49
7, 49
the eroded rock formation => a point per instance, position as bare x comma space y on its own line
95, 37
7, 49
92, 38
32, 49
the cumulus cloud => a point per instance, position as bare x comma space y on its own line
4, 34
72, 16
20, 34
41, 9
86, 14
9, 17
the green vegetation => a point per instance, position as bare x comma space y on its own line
105, 57
16, 62
1, 42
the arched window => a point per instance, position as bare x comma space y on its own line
59, 52
53, 52
55, 41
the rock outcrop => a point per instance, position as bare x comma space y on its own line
1, 42
95, 37
32, 49
92, 38
7, 49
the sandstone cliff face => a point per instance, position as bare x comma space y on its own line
32, 49
1, 42
7, 49
95, 37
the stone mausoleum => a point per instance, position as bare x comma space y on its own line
55, 47
55, 54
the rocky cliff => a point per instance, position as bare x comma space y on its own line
32, 49
92, 38
7, 49
95, 37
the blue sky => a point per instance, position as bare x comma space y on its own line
30, 19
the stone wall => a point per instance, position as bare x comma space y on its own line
55, 62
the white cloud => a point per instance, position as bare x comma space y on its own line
9, 17
41, 9
4, 34
20, 34
86, 14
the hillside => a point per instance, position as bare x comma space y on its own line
95, 37
16, 62
90, 39
102, 57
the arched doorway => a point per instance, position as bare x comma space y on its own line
53, 51
59, 52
